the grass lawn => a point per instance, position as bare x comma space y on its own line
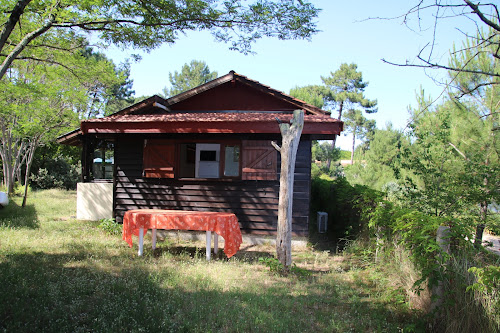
58, 274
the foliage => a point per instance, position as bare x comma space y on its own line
191, 75
360, 127
346, 90
441, 157
487, 285
345, 154
323, 155
416, 231
423, 263
323, 151
41, 100
343, 89
110, 226
32, 26
313, 94
58, 172
443, 171
493, 224
343, 203
275, 266
488, 279
381, 168
56, 166
119, 94
108, 91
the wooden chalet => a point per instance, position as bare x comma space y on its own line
206, 149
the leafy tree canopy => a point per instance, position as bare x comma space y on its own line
29, 25
359, 126
191, 75
346, 90
343, 89
313, 94
41, 99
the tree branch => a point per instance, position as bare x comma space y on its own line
102, 25
53, 62
458, 151
275, 145
475, 9
431, 65
13, 19
22, 44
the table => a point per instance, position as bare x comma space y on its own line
223, 224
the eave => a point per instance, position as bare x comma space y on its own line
209, 123
72, 138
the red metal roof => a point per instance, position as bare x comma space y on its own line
208, 122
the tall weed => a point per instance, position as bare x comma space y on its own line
469, 301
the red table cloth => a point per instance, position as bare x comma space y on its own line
224, 224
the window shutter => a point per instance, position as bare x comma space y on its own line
159, 159
258, 160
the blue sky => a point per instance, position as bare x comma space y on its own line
346, 37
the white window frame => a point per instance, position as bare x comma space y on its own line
207, 169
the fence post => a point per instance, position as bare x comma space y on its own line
443, 240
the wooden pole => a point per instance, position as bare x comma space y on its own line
290, 134
443, 240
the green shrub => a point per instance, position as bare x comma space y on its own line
344, 203
277, 267
56, 173
110, 226
493, 224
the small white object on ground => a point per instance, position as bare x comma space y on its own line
4, 199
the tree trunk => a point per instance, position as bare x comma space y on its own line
483, 213
353, 144
288, 150
478, 240
30, 151
334, 141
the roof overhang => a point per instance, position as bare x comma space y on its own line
209, 122
72, 138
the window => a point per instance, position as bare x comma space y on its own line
103, 160
232, 161
187, 160
207, 160
208, 155
247, 160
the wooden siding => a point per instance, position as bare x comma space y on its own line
234, 96
255, 202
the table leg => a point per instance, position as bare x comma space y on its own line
216, 243
141, 241
153, 232
209, 244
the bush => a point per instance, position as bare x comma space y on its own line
343, 203
110, 226
57, 173
493, 223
